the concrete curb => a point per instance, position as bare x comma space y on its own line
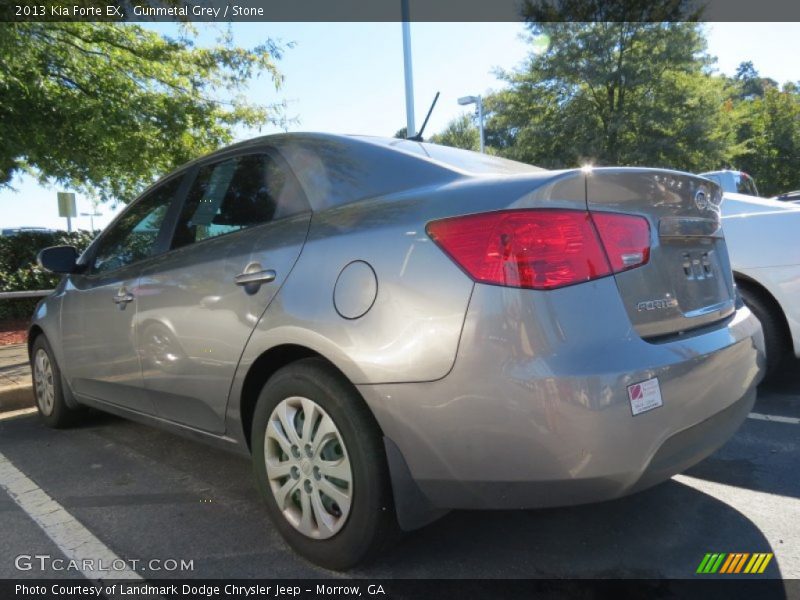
14, 397
16, 388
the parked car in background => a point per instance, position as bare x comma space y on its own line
735, 182
788, 197
762, 236
9, 231
393, 329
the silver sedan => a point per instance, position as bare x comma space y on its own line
392, 330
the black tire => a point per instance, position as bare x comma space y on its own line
371, 522
776, 339
60, 415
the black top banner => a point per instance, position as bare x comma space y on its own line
224, 11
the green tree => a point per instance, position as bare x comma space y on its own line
461, 132
768, 139
19, 270
628, 93
104, 108
749, 83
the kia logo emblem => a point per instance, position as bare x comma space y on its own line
701, 199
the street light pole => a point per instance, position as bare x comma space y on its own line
91, 216
411, 129
480, 120
478, 102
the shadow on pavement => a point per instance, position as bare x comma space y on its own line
787, 382
98, 469
762, 456
662, 532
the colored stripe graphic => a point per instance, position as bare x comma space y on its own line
717, 563
765, 563
711, 563
736, 563
741, 562
724, 563
703, 563
728, 563
755, 559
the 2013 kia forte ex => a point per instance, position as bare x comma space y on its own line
394, 329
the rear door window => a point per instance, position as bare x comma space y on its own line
235, 194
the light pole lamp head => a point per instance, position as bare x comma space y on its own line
463, 101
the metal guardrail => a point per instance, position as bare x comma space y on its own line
26, 294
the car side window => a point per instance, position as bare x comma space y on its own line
234, 194
744, 185
133, 237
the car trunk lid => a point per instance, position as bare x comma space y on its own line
687, 281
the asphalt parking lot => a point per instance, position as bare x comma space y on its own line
150, 495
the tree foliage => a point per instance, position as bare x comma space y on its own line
461, 132
106, 107
612, 93
629, 82
768, 138
749, 84
19, 270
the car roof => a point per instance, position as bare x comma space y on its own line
334, 169
464, 161
725, 171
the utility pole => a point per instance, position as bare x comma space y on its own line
411, 129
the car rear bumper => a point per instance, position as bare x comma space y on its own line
535, 411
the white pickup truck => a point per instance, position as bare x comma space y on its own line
761, 234
733, 182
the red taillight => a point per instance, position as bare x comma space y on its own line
539, 249
626, 239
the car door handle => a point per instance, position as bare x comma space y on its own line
122, 297
250, 277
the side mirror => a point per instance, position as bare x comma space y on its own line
58, 259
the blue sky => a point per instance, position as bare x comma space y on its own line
348, 78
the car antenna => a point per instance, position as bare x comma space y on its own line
418, 136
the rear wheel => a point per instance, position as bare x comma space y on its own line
320, 465
47, 387
776, 339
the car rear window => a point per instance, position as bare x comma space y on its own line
746, 185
